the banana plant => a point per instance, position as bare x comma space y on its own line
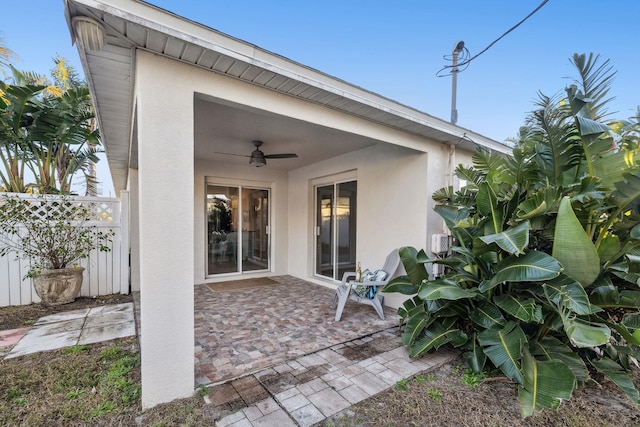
543, 281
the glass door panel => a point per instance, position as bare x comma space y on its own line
255, 229
346, 227
222, 222
336, 229
324, 231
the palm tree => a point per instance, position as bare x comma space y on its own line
48, 127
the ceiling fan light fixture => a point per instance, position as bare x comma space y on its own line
257, 159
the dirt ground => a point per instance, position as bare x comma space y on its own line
439, 398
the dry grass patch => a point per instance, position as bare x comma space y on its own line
73, 386
452, 396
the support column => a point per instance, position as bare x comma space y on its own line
165, 202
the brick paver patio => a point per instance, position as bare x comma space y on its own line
275, 356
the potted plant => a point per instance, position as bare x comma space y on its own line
52, 233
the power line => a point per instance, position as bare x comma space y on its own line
467, 61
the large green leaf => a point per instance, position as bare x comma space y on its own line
611, 168
489, 206
401, 285
573, 247
609, 247
451, 215
503, 347
475, 357
632, 320
545, 384
567, 293
415, 270
591, 127
551, 348
524, 309
409, 308
534, 266
616, 374
605, 296
627, 191
513, 240
415, 326
435, 336
625, 332
444, 289
488, 316
583, 334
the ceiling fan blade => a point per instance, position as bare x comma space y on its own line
231, 154
280, 156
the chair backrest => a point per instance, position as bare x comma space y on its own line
391, 264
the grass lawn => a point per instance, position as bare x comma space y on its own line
99, 385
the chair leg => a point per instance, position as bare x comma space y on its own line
343, 294
377, 304
334, 300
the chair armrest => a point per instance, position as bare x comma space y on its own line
346, 275
372, 283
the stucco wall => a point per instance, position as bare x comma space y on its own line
395, 207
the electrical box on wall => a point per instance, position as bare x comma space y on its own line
439, 244
438, 270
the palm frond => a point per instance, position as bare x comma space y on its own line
594, 81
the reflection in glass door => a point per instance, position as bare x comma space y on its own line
255, 231
336, 229
237, 229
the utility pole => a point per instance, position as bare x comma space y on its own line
457, 48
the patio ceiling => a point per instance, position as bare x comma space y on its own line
224, 128
132, 25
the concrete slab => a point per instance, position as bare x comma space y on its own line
62, 317
329, 402
107, 332
307, 415
277, 418
86, 326
33, 343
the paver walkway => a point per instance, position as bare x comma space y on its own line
321, 385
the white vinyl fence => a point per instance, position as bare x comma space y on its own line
105, 272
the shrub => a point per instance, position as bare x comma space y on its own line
542, 280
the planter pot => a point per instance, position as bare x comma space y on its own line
56, 287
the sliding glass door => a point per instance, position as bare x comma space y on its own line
237, 229
335, 229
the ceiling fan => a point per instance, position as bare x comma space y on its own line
259, 159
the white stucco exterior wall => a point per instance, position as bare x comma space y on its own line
395, 205
165, 180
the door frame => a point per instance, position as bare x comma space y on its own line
334, 180
240, 185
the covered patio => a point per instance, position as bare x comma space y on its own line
239, 332
272, 354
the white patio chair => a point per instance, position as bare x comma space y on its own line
346, 290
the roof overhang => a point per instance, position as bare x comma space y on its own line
130, 25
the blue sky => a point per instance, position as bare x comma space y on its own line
396, 48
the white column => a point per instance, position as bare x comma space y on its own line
166, 203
